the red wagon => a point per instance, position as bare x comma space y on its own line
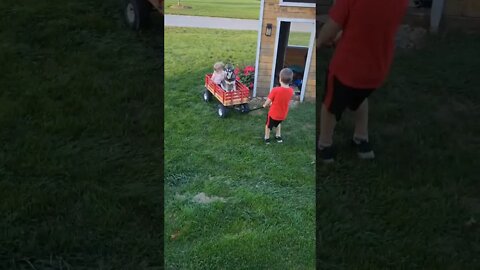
237, 99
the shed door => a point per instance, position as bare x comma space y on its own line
282, 48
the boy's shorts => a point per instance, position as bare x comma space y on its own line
341, 97
272, 122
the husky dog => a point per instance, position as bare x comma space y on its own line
229, 83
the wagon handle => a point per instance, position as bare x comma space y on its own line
259, 108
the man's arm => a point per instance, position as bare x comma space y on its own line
329, 34
336, 22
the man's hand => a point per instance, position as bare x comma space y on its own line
333, 43
329, 34
337, 38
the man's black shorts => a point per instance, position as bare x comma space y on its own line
339, 97
272, 122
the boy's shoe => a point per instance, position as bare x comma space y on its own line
279, 139
267, 141
364, 149
327, 154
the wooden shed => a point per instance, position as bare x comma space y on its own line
286, 38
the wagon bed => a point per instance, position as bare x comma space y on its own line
237, 99
240, 96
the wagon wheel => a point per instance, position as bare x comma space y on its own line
244, 108
207, 96
136, 13
222, 111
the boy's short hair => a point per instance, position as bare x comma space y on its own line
286, 76
218, 65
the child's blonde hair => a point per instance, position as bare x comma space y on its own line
218, 65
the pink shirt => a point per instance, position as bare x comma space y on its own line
218, 77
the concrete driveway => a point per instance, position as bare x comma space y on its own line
221, 23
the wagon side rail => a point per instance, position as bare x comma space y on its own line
240, 96
216, 90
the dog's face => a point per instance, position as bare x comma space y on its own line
230, 73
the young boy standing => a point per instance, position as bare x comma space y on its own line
279, 99
360, 64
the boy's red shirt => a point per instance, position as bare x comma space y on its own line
280, 98
365, 51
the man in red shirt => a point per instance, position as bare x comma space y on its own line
279, 98
364, 34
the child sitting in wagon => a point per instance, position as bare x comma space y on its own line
224, 76
219, 73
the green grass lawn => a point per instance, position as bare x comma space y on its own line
267, 221
418, 205
243, 9
80, 126
299, 39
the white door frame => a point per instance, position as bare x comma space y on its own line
436, 14
309, 54
259, 39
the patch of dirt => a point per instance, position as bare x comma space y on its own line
175, 235
256, 102
180, 7
180, 197
257, 112
410, 37
450, 112
202, 198
293, 104
472, 222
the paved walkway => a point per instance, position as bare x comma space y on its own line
221, 23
